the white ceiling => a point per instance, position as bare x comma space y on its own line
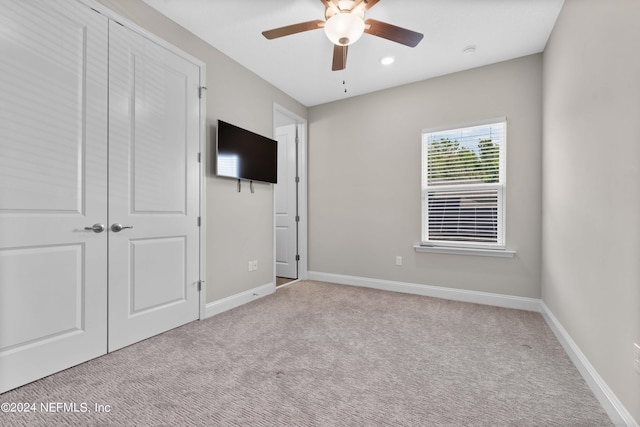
300, 64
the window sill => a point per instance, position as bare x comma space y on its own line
500, 253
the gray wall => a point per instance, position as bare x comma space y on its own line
591, 185
239, 225
365, 171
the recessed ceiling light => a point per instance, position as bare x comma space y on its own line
387, 60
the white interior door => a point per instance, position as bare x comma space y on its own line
53, 150
286, 204
153, 188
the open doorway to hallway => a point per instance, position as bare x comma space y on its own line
290, 196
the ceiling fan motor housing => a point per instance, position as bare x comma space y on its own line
342, 6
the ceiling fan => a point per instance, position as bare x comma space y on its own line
344, 24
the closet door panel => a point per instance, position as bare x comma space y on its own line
153, 188
53, 152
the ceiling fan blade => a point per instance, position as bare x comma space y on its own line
370, 3
339, 57
393, 33
364, 5
293, 29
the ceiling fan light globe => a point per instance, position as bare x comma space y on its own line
344, 28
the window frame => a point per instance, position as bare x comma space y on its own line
500, 188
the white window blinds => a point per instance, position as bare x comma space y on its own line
463, 185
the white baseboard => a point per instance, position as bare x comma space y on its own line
237, 300
507, 301
610, 403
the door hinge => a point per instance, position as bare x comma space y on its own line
200, 89
199, 157
199, 221
200, 282
297, 218
297, 257
297, 180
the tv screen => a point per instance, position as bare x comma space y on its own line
242, 154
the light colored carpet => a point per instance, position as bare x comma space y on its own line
318, 354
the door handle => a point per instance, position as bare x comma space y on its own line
119, 227
96, 228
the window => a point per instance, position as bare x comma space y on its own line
463, 186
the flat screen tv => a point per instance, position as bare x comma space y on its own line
242, 154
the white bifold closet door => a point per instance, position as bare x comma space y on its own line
53, 174
96, 130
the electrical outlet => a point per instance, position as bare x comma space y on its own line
255, 264
398, 260
636, 357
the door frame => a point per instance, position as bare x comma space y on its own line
104, 10
281, 117
203, 190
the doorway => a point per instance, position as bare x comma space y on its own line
290, 196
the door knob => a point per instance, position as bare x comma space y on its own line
119, 227
96, 228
